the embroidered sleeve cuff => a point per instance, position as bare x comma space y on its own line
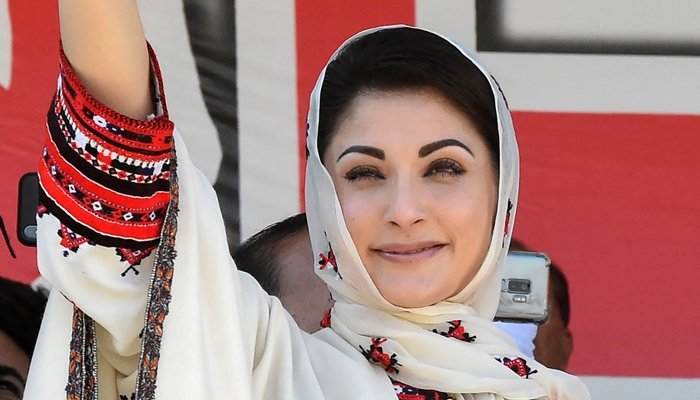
105, 175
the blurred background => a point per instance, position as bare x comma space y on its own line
606, 102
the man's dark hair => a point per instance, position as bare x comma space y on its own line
21, 310
399, 59
560, 289
257, 255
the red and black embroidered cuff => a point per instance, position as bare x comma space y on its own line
103, 174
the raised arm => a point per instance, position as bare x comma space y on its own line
105, 192
105, 44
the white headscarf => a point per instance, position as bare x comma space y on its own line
421, 357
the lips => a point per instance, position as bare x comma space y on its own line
408, 252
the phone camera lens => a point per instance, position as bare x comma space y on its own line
519, 286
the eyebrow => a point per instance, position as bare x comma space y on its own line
435, 146
9, 371
368, 150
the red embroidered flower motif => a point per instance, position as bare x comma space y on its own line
457, 331
328, 259
326, 321
376, 354
517, 365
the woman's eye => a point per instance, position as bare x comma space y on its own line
363, 173
445, 168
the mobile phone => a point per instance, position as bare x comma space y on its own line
26, 208
524, 288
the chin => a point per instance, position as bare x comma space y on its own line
411, 301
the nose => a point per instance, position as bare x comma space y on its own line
404, 205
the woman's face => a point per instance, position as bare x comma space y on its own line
418, 191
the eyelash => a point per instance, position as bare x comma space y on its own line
445, 168
363, 173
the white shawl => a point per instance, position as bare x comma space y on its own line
195, 328
428, 360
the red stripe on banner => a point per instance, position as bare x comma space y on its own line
23, 109
614, 200
321, 26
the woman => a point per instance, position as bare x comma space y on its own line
411, 191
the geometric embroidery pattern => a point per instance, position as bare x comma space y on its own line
82, 364
104, 175
158, 303
133, 258
100, 205
72, 242
82, 376
406, 392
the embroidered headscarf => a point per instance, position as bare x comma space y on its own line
470, 355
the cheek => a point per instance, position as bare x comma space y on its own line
359, 211
465, 211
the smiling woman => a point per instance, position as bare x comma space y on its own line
411, 188
409, 134
418, 192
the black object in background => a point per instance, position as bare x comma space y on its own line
7, 238
212, 29
26, 206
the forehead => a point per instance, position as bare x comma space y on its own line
406, 117
12, 356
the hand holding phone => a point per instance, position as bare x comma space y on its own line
524, 288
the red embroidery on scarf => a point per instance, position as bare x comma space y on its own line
376, 354
328, 259
505, 228
457, 331
326, 321
517, 365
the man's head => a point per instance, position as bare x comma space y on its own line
554, 342
279, 257
21, 309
